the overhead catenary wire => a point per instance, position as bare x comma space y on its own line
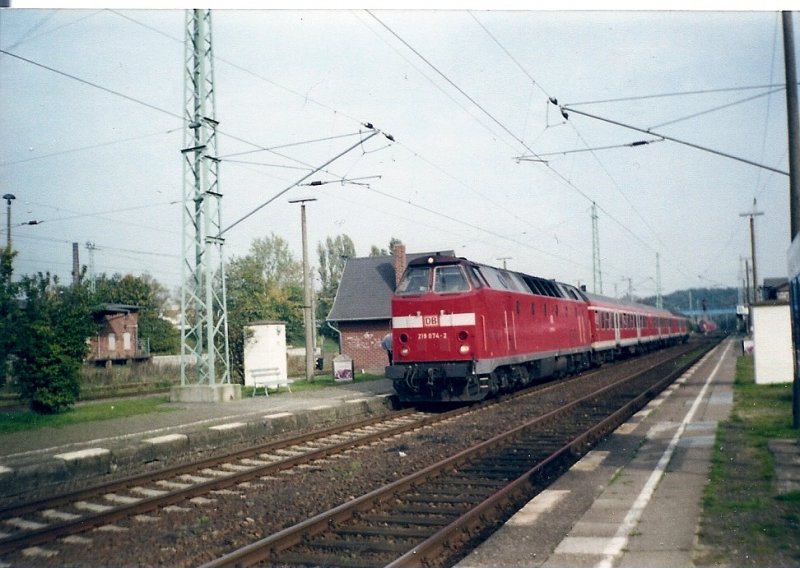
676, 140
133, 99
302, 179
717, 108
440, 83
537, 158
595, 149
560, 177
674, 94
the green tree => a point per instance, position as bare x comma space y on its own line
265, 284
8, 310
50, 342
377, 251
332, 258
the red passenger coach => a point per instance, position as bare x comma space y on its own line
463, 331
625, 327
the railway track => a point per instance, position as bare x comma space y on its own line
45, 520
46, 523
423, 518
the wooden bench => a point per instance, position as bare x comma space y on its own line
269, 378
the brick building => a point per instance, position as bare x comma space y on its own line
118, 340
362, 308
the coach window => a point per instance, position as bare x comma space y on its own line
448, 279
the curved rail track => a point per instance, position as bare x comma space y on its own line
423, 518
366, 530
46, 520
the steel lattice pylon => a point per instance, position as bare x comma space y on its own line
204, 335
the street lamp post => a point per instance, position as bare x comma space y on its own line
9, 197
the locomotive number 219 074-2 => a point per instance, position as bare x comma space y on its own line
432, 335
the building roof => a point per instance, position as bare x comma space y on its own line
776, 283
115, 309
366, 288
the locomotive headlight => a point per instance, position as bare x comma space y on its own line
463, 349
405, 351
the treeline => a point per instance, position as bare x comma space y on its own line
696, 298
44, 324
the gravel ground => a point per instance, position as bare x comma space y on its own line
207, 528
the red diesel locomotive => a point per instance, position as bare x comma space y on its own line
462, 331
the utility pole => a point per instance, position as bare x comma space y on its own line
76, 265
794, 172
9, 197
659, 299
204, 330
90, 246
597, 273
753, 214
504, 259
308, 302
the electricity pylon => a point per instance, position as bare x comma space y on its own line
204, 330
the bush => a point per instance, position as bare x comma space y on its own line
49, 342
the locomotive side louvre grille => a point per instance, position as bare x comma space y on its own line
508, 333
438, 320
514, 328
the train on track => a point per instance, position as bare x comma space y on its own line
464, 331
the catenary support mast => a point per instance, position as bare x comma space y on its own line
204, 333
597, 277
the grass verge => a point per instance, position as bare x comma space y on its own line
745, 521
20, 420
320, 382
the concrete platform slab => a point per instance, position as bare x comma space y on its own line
649, 487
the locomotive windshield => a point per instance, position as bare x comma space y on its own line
442, 279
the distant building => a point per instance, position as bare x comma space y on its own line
118, 340
776, 289
362, 309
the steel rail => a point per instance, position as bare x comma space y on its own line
174, 471
270, 547
458, 532
147, 504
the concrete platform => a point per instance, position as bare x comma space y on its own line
635, 499
80, 454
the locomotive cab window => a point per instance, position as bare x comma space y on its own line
415, 280
448, 279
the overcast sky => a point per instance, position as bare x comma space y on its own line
91, 136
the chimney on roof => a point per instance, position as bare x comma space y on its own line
399, 254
